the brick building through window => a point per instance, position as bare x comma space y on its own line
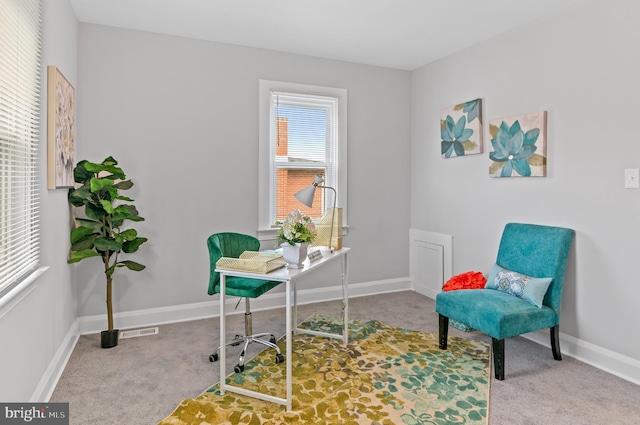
291, 180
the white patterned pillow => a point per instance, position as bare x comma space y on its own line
530, 289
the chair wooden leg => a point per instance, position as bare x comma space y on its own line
444, 331
555, 342
498, 358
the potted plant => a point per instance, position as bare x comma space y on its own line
294, 236
100, 233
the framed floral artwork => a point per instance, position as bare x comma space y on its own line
519, 146
61, 129
461, 129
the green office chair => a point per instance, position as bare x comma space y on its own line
231, 245
515, 305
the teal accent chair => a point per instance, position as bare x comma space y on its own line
231, 245
530, 249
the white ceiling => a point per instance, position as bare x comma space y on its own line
401, 34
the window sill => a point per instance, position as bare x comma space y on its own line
16, 294
272, 233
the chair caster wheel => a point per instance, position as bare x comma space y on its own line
213, 358
238, 368
237, 343
272, 339
279, 358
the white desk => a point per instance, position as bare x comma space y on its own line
288, 276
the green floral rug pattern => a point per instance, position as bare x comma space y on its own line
386, 375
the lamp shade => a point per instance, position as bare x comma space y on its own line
307, 194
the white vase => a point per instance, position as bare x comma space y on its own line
295, 255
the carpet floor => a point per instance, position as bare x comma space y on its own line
386, 375
142, 380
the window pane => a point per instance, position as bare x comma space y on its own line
301, 133
290, 181
304, 139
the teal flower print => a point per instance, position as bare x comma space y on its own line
472, 109
453, 134
514, 147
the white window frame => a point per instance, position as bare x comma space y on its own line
19, 127
266, 169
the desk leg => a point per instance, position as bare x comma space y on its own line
223, 357
289, 330
345, 299
295, 308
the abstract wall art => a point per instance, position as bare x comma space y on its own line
519, 146
461, 129
61, 129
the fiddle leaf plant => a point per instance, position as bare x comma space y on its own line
100, 234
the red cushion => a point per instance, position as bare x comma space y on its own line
468, 280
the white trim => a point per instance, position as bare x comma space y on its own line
24, 288
609, 361
58, 363
149, 317
617, 364
601, 358
614, 363
417, 236
268, 237
202, 310
195, 311
264, 160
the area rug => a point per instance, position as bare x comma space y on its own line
386, 375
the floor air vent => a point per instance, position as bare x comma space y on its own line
139, 332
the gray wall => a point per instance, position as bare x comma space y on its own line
181, 117
35, 328
580, 65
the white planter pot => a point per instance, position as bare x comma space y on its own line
295, 255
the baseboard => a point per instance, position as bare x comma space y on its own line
57, 365
195, 311
427, 292
622, 366
609, 361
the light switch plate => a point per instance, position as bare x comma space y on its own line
631, 178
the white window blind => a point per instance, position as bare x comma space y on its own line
19, 127
302, 132
304, 142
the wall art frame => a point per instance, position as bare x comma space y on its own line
519, 145
61, 129
461, 129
